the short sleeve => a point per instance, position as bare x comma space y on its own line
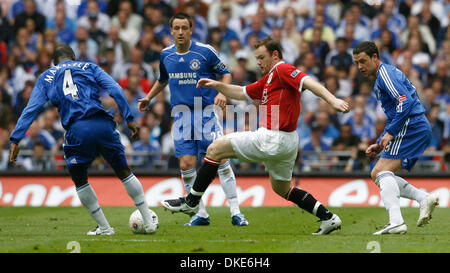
292, 77
217, 66
163, 76
254, 90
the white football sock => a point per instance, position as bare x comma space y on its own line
89, 200
409, 191
188, 177
228, 182
390, 194
136, 192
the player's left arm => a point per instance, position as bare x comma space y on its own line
319, 90
298, 80
221, 69
37, 99
106, 82
220, 100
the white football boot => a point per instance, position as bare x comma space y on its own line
180, 205
99, 231
327, 226
392, 229
426, 208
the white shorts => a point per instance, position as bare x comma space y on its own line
276, 149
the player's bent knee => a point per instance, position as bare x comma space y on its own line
123, 173
79, 181
187, 162
215, 149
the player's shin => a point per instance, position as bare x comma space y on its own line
89, 200
205, 176
390, 194
307, 202
136, 192
228, 182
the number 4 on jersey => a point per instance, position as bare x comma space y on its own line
69, 88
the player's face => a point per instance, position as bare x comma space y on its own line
181, 31
367, 65
264, 59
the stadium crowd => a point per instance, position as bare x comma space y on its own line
125, 37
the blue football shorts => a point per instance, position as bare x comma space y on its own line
86, 139
193, 132
410, 142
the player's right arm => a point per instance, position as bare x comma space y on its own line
37, 99
229, 90
156, 88
159, 85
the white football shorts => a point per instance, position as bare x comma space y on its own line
276, 149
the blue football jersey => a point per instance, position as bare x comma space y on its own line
398, 97
183, 70
74, 88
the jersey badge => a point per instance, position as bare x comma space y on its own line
195, 64
295, 73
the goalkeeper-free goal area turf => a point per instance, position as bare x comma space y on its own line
271, 230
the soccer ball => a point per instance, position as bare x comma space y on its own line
137, 223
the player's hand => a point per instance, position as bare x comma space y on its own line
373, 150
221, 101
13, 152
341, 105
134, 130
208, 83
143, 104
386, 140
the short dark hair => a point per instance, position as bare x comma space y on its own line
367, 47
39, 144
62, 51
181, 15
271, 45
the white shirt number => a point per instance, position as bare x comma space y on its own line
69, 88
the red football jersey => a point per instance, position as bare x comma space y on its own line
280, 91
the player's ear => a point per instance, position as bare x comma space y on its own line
375, 56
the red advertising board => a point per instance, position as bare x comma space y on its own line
252, 191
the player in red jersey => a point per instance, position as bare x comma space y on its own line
275, 143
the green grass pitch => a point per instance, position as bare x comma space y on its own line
271, 230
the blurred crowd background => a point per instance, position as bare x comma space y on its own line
125, 37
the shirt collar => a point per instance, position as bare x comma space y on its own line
280, 62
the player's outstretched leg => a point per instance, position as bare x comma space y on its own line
134, 189
228, 183
426, 201
329, 221
390, 194
201, 218
88, 198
